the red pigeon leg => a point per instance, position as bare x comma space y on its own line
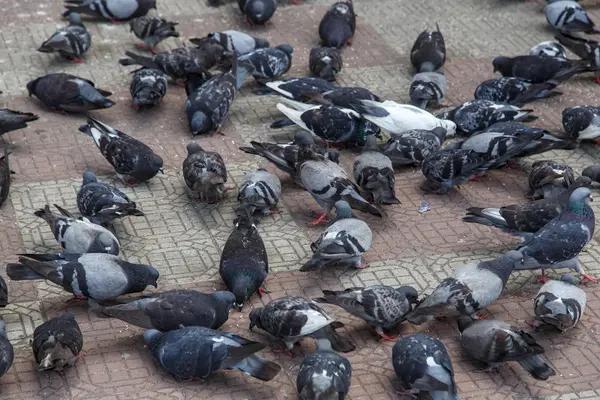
322, 218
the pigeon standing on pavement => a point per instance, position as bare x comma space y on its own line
324, 374
568, 16
412, 147
586, 49
195, 353
205, 174
471, 288
70, 42
428, 53
152, 31
514, 91
116, 10
559, 303
244, 264
548, 179
5, 173
325, 62
266, 63
96, 276
12, 120
447, 168
374, 173
428, 88
494, 341
380, 306
69, 93
239, 42
57, 343
260, 191
539, 69
582, 122
423, 364
549, 49
7, 354
258, 11
79, 235
148, 87
292, 318
132, 160
338, 25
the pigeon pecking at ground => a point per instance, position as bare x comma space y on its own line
444, 169
258, 12
116, 10
582, 123
514, 91
205, 174
412, 147
148, 87
559, 303
260, 191
12, 120
70, 42
325, 62
428, 88
57, 343
152, 31
338, 24
7, 354
539, 69
428, 53
548, 179
266, 63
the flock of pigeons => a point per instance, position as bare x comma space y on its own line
182, 324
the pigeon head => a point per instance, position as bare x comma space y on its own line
255, 318
504, 65
580, 198
225, 297
503, 265
410, 293
75, 19
327, 72
568, 278
152, 338
450, 127
212, 188
333, 155
366, 129
200, 123
287, 49
303, 138
108, 244
324, 345
140, 276
343, 210
261, 43
146, 96
440, 133
156, 163
89, 177
193, 148
370, 143
31, 86
464, 322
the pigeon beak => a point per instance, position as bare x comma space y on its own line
107, 249
590, 197
155, 285
238, 306
162, 171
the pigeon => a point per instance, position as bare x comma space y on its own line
79, 235
258, 11
584, 48
559, 303
5, 173
152, 31
519, 219
239, 42
69, 93
324, 374
447, 168
295, 88
292, 318
132, 160
259, 191
582, 122
57, 343
515, 91
428, 87
102, 203
559, 242
412, 147
399, 118
96, 276
338, 25
325, 62
494, 341
244, 264
196, 352
342, 243
428, 54
374, 173
568, 16
536, 146
476, 115
548, 179
11, 120
7, 354
148, 87
116, 10
471, 287
266, 63
539, 69
549, 49
592, 172
328, 183
380, 306
70, 42
172, 310
344, 97
423, 364
205, 174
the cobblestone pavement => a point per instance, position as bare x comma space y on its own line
184, 240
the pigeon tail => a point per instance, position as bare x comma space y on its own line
371, 108
259, 368
258, 149
282, 123
338, 342
358, 203
385, 196
19, 272
313, 264
56, 43
46, 214
536, 366
135, 59
537, 91
485, 216
421, 103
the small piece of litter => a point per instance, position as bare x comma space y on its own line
424, 207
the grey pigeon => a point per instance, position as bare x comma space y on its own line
582, 122
7, 354
197, 352
559, 303
205, 174
79, 235
428, 53
471, 288
258, 11
5, 173
132, 160
102, 203
115, 10
328, 183
338, 24
548, 179
148, 87
342, 243
57, 343
152, 31
325, 62
477, 115
12, 120
559, 242
568, 16
239, 42
539, 69
266, 63
374, 173
324, 374
96, 276
259, 191
380, 306
69, 93
244, 264
514, 91
592, 172
292, 318
172, 310
412, 147
428, 88
70, 42
423, 364
494, 341
549, 49
447, 168
294, 88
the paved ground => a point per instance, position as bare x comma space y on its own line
184, 240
